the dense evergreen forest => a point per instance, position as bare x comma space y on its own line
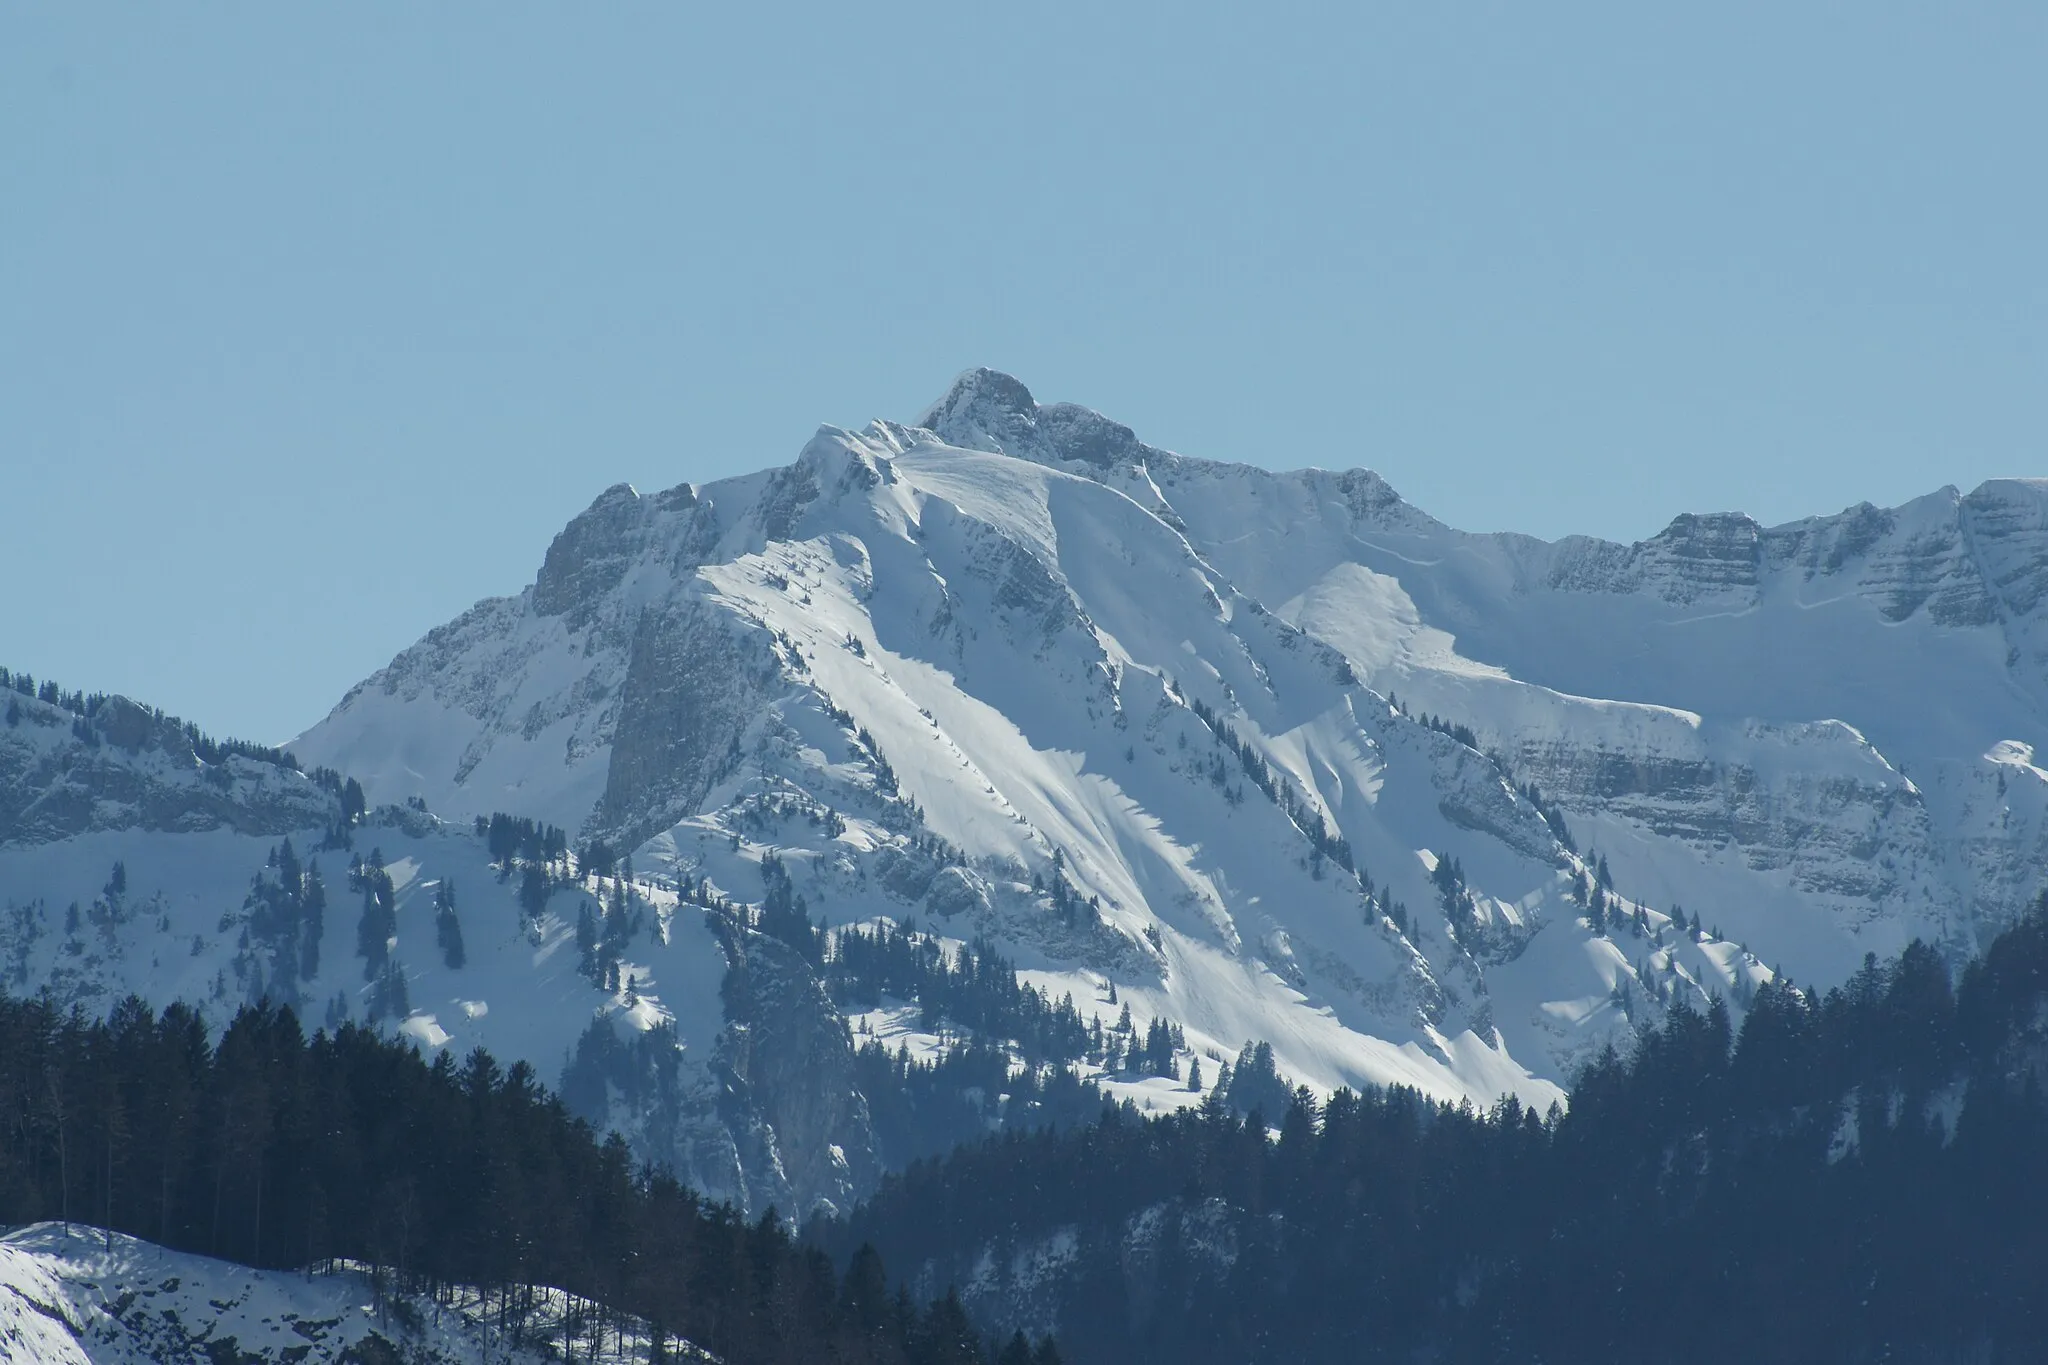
279, 1150
1858, 1176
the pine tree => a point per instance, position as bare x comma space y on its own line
533, 891
447, 928
379, 923
586, 942
389, 996
312, 922
947, 1336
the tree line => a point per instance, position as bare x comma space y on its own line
84, 706
280, 1150
1859, 1175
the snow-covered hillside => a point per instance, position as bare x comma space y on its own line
1836, 715
63, 773
76, 1296
1815, 736
1019, 649
1264, 755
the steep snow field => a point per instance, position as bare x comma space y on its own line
1860, 670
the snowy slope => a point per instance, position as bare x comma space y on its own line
127, 767
131, 865
1025, 656
1808, 730
1154, 727
182, 930
75, 1296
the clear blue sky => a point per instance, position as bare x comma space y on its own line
316, 326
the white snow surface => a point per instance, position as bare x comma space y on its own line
72, 1295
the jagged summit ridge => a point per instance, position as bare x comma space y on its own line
988, 410
1911, 553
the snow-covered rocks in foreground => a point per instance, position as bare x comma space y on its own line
74, 1296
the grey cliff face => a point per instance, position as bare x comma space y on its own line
1694, 558
2007, 522
1968, 560
791, 1055
590, 556
691, 689
988, 410
1841, 839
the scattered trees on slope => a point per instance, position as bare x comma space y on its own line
84, 707
1855, 1176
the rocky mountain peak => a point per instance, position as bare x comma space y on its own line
590, 555
988, 410
980, 392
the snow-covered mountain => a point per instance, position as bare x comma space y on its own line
76, 1296
929, 641
1730, 712
1023, 604
1154, 727
167, 879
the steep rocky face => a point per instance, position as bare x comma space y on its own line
1845, 832
590, 556
1714, 557
2007, 524
530, 689
691, 688
126, 767
1999, 806
987, 410
1972, 560
790, 1055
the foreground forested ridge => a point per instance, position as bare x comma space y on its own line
277, 1150
1856, 1176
